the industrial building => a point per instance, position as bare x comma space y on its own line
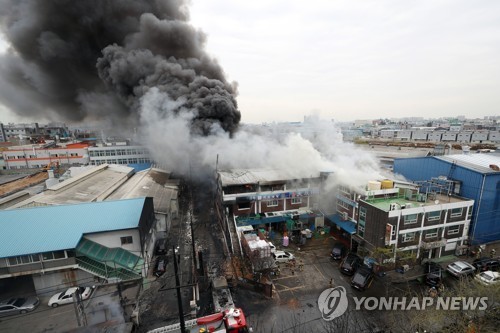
274, 199
68, 244
474, 176
72, 202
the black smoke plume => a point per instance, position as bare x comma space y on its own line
76, 60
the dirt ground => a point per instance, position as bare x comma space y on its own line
22, 183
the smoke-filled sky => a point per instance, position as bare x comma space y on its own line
357, 59
143, 64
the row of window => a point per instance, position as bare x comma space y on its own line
435, 216
55, 255
343, 204
428, 234
268, 203
118, 152
121, 161
33, 258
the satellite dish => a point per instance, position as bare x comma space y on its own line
436, 202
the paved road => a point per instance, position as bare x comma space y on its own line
295, 306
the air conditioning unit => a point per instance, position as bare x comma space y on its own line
345, 216
393, 206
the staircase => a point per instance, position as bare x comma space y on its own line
105, 271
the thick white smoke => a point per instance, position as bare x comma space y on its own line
318, 148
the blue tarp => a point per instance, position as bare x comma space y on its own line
347, 226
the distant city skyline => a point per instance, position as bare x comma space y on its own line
348, 60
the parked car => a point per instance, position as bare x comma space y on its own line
433, 273
160, 266
283, 256
338, 252
488, 278
460, 269
18, 305
161, 247
66, 296
350, 264
486, 264
363, 278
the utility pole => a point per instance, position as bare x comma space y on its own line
179, 299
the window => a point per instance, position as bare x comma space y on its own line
434, 216
453, 230
408, 237
410, 219
343, 204
469, 213
126, 240
362, 213
272, 203
456, 212
48, 256
296, 201
13, 261
59, 255
244, 205
344, 189
431, 233
361, 228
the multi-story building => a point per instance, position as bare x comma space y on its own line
66, 244
426, 219
477, 176
30, 131
120, 154
38, 156
274, 199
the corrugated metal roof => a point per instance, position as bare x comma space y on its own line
477, 162
254, 176
53, 228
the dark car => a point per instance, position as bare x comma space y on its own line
349, 265
486, 264
363, 278
338, 251
161, 247
433, 273
160, 266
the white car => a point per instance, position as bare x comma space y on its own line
283, 256
488, 278
273, 248
66, 297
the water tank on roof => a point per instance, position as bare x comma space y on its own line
374, 185
385, 184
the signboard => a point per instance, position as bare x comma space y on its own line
388, 233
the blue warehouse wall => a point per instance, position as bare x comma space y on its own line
483, 188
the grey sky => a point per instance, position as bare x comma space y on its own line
356, 59
351, 60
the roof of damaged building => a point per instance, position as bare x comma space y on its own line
85, 185
108, 182
261, 176
154, 183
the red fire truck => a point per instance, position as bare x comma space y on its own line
230, 321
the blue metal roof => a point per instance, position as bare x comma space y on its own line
54, 228
347, 226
